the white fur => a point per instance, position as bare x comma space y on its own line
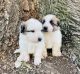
53, 39
29, 44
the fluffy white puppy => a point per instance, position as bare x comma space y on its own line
31, 41
52, 33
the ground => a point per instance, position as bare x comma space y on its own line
51, 65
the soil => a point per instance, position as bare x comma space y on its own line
50, 65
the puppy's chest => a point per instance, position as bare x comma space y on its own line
52, 38
31, 48
48, 40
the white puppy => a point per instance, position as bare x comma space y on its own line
52, 33
31, 41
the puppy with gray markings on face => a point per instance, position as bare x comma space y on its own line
52, 33
31, 41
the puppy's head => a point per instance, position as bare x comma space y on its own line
32, 30
50, 23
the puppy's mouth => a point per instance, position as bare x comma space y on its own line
44, 30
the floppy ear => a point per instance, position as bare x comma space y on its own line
42, 21
22, 28
58, 22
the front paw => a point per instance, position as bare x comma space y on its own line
37, 62
17, 64
26, 59
57, 54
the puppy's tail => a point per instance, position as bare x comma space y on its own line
17, 51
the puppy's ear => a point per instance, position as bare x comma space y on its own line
42, 21
58, 22
22, 28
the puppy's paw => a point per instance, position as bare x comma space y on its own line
26, 59
57, 54
17, 64
37, 62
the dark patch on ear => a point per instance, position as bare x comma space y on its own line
58, 23
43, 21
22, 28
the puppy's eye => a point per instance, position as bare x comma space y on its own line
32, 31
43, 21
51, 22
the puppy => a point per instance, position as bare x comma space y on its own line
31, 41
52, 33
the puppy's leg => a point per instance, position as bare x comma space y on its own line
38, 54
18, 61
22, 57
56, 50
26, 57
44, 53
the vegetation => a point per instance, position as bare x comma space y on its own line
70, 27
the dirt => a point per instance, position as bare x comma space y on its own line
50, 65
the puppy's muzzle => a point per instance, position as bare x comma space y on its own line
39, 39
45, 29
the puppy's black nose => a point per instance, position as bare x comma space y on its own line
45, 28
39, 39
